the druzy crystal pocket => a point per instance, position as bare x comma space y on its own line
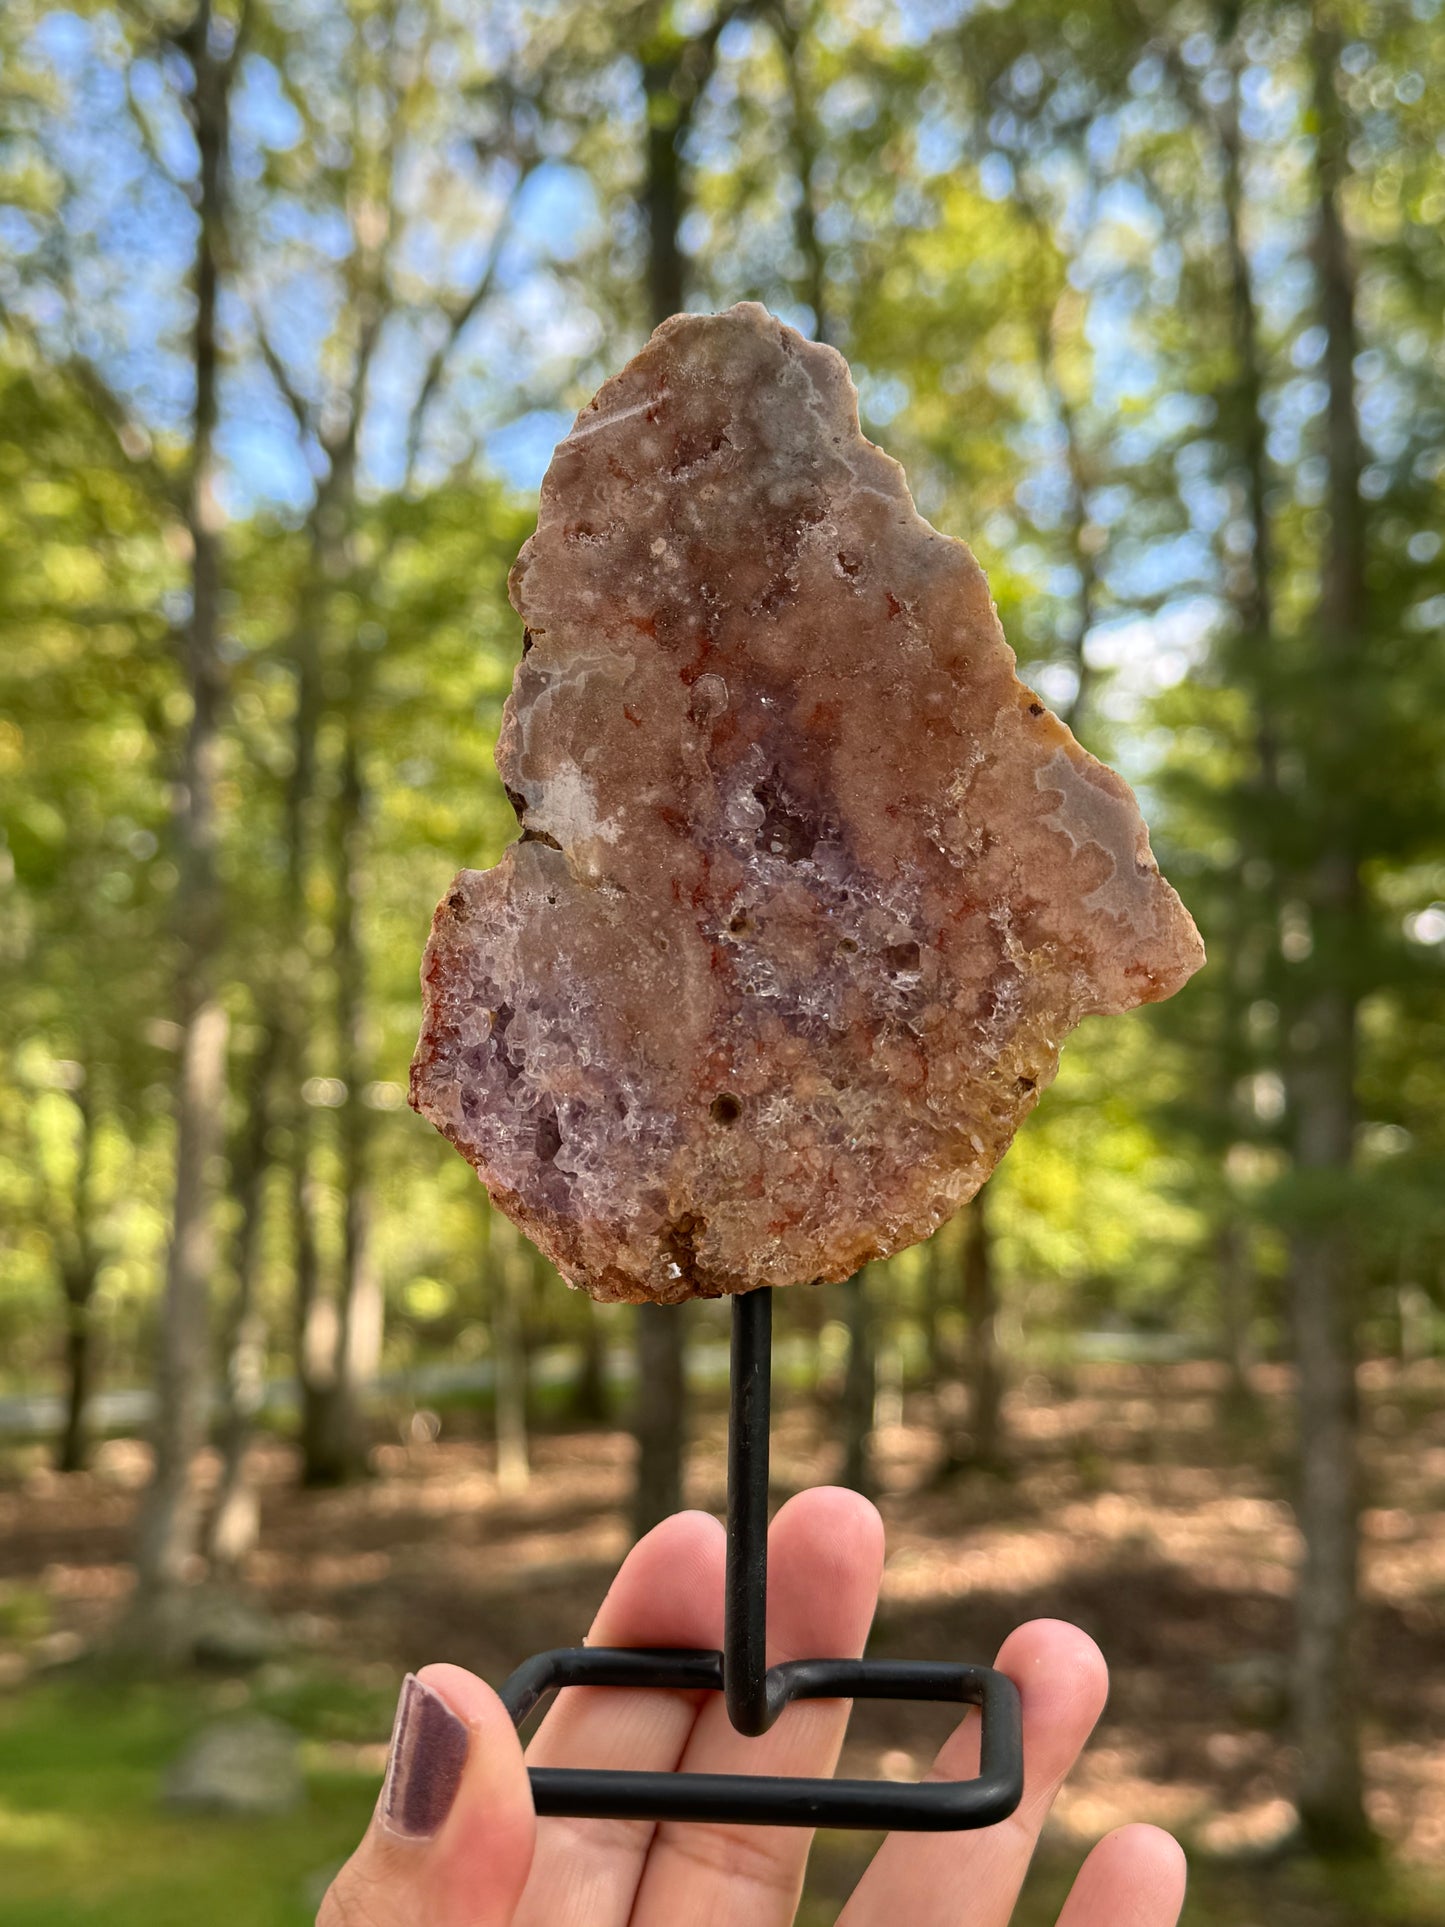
810, 888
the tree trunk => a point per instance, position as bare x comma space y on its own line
509, 1359
292, 1011
1321, 1076
1252, 592
669, 114
343, 1337
236, 1515
591, 1397
1082, 545
317, 1337
78, 1274
659, 1414
328, 1455
804, 142
168, 1539
860, 1387
72, 1452
983, 1373
1247, 925
932, 1303
1081, 534
1326, 1678
168, 1531
326, 1430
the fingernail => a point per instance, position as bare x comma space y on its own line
428, 1752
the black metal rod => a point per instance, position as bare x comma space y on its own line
745, 1600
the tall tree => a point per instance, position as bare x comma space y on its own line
509, 1356
324, 1319
980, 1442
168, 1533
78, 1277
387, 94
1322, 1049
591, 1393
860, 1385
236, 1514
1244, 919
67, 1170
333, 1445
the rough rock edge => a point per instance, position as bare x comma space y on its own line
1086, 787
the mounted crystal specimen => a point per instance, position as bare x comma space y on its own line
810, 887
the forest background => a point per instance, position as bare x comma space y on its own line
296, 297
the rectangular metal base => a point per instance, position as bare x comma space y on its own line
933, 1806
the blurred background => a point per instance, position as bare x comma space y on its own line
296, 297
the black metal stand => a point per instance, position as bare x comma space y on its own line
756, 1694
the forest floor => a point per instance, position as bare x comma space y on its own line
1129, 1508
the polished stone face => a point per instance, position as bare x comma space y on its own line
810, 888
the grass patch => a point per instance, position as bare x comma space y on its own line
84, 1839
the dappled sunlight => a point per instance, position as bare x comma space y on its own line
22, 1832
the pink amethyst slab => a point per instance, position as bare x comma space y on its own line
810, 888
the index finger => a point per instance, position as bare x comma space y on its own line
669, 1592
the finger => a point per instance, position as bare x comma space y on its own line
935, 1880
451, 1840
825, 1557
1133, 1878
668, 1593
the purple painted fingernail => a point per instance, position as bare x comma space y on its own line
428, 1752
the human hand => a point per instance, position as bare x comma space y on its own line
454, 1841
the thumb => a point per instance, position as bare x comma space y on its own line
450, 1843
